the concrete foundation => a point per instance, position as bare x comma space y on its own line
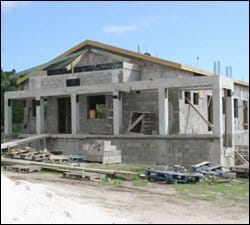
168, 150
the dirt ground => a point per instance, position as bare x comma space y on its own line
156, 203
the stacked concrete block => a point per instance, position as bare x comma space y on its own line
101, 151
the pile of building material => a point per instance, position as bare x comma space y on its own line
241, 170
101, 151
79, 175
208, 168
175, 174
28, 153
58, 158
22, 168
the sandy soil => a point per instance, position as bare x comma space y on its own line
157, 203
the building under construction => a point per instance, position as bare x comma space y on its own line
154, 110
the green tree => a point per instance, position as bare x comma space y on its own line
8, 83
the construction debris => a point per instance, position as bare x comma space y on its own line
24, 169
101, 151
241, 170
58, 158
172, 175
79, 175
66, 167
28, 153
75, 158
208, 168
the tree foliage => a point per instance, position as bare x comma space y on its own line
8, 83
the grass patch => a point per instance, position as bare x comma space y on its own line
51, 171
113, 182
236, 191
138, 182
118, 179
138, 168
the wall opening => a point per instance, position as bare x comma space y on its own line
245, 115
33, 107
236, 108
187, 96
97, 107
64, 115
210, 110
223, 105
196, 98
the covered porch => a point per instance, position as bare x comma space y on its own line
218, 86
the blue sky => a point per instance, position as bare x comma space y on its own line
35, 32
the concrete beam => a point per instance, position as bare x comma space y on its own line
7, 115
173, 83
163, 111
108, 88
122, 87
75, 119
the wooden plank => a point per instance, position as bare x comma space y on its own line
64, 167
200, 114
138, 120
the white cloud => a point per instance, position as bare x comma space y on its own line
8, 5
120, 29
123, 29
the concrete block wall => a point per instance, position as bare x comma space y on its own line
51, 119
174, 111
155, 71
29, 118
87, 125
86, 78
151, 150
241, 137
92, 58
190, 121
130, 75
242, 94
144, 101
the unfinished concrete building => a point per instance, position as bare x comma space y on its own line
154, 110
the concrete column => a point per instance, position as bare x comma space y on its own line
117, 112
39, 115
229, 118
7, 115
75, 118
217, 108
163, 111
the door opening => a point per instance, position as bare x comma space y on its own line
64, 115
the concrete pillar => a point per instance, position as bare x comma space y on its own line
117, 112
217, 108
229, 118
163, 111
75, 118
39, 115
7, 115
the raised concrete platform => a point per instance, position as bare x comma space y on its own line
185, 150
